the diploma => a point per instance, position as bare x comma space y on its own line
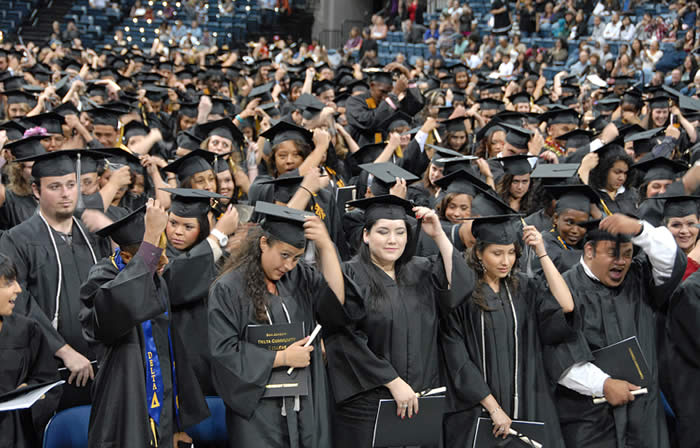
311, 339
634, 392
524, 438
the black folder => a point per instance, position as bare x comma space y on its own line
624, 360
484, 438
425, 428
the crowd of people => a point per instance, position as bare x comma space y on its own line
177, 220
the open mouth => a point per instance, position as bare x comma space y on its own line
616, 273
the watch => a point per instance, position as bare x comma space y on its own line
223, 239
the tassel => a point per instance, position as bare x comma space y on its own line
284, 407
297, 403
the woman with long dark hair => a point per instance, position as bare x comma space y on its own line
392, 352
491, 343
515, 186
611, 178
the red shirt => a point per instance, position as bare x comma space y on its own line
412, 11
691, 268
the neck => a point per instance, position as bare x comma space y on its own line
515, 204
388, 267
271, 286
62, 225
690, 249
493, 282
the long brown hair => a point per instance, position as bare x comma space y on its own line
503, 190
472, 258
18, 183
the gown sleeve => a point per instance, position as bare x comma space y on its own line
240, 370
43, 366
463, 281
414, 159
189, 275
684, 319
113, 302
361, 116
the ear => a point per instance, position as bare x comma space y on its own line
365, 236
588, 250
35, 189
263, 243
555, 218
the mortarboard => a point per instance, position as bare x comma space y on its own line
105, 116
462, 181
496, 229
385, 206
96, 90
607, 104
50, 164
26, 147
191, 203
66, 109
594, 233
50, 121
384, 176
553, 173
285, 186
510, 117
12, 82
19, 97
451, 164
494, 125
643, 141
381, 77
283, 223
679, 206
310, 105
13, 130
118, 157
454, 124
156, 93
491, 104
573, 197
134, 128
442, 153
222, 128
188, 165
220, 106
284, 131
397, 120
261, 91
562, 116
520, 98
444, 112
516, 165
129, 230
659, 101
660, 168
578, 138
189, 109
516, 136
322, 86
358, 86
632, 97
599, 123
488, 204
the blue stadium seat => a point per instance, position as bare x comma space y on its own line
68, 428
213, 429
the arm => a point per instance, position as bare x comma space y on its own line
315, 230
557, 285
321, 141
120, 178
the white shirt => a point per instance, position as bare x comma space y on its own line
612, 31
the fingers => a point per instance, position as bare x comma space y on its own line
92, 371
72, 376
300, 342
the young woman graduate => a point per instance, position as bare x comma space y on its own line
17, 203
266, 283
25, 359
392, 352
125, 315
491, 343
193, 251
611, 177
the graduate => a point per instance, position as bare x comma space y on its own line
491, 343
616, 296
17, 203
25, 357
393, 351
611, 177
681, 216
125, 316
267, 283
195, 243
53, 254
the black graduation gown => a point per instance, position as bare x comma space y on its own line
16, 209
682, 359
29, 246
563, 257
540, 220
625, 202
605, 316
652, 210
24, 358
415, 160
420, 195
461, 338
364, 121
240, 370
114, 305
397, 338
188, 276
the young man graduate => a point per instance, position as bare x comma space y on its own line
616, 297
142, 396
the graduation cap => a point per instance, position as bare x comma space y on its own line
223, 128
50, 121
13, 130
491, 104
578, 138
516, 136
659, 101
220, 106
105, 117
323, 86
497, 229
607, 104
462, 182
510, 117
396, 120
285, 186
66, 109
573, 197
191, 203
189, 109
50, 164
490, 87
454, 124
679, 206
284, 223
660, 168
26, 147
12, 82
644, 141
458, 68
570, 90
599, 123
444, 112
442, 153
134, 128
516, 165
385, 206
155, 92
309, 105
118, 157
19, 97
520, 98
129, 230
384, 176
96, 90
381, 77
261, 91
190, 164
358, 86
40, 72
552, 173
284, 131
488, 204
594, 233
494, 125
632, 97
623, 80
562, 116
451, 164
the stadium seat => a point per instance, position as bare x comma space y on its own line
68, 428
213, 429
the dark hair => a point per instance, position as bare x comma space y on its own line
471, 256
303, 147
248, 259
377, 292
445, 202
503, 190
187, 182
7, 268
599, 174
426, 181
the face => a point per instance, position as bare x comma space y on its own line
138, 184
566, 225
459, 207
219, 145
379, 90
498, 259
659, 116
52, 142
182, 232
559, 129
9, 289
522, 107
684, 231
462, 79
510, 150
605, 265
105, 134
204, 180
657, 187
57, 195
497, 142
435, 173
278, 258
287, 157
386, 240
520, 185
617, 175
226, 184
16, 110
187, 122
457, 140
88, 183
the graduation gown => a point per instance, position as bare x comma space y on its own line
188, 276
29, 246
605, 316
682, 359
540, 220
24, 358
16, 209
365, 116
240, 370
562, 255
463, 336
397, 338
114, 305
625, 202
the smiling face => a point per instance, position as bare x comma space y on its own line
458, 207
9, 289
386, 240
278, 258
656, 187
565, 223
287, 157
226, 185
204, 180
684, 231
498, 259
610, 268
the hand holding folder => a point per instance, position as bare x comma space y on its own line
624, 360
424, 428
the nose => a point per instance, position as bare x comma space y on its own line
16, 287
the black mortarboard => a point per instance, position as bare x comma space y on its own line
396, 120
283, 223
322, 86
386, 206
578, 138
491, 104
26, 147
96, 90
552, 173
50, 164
573, 197
494, 125
368, 153
562, 116
644, 141
283, 131
40, 72
12, 82
520, 98
191, 203
679, 206
261, 91
451, 164
222, 128
135, 128
633, 97
607, 104
497, 229
442, 153
13, 130
384, 176
188, 140
285, 186
189, 109
382, 77
129, 230
660, 168
19, 97
310, 105
594, 233
570, 90
659, 101
462, 182
454, 124
626, 80
599, 123
516, 136
190, 164
220, 106
488, 204
510, 117
118, 157
156, 93
358, 86
104, 116
444, 112
66, 109
50, 121
516, 165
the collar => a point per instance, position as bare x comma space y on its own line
620, 190
588, 271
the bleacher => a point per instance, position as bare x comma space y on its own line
92, 23
14, 12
